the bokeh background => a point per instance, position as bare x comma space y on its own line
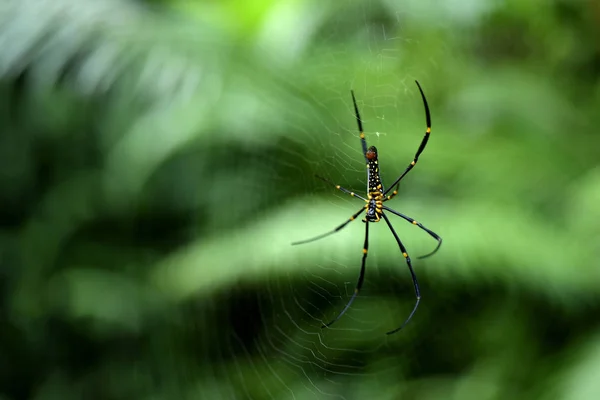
158, 158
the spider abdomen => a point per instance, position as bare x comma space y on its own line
374, 204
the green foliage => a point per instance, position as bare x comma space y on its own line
157, 160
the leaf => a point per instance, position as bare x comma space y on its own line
581, 381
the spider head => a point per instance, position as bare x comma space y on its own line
371, 214
372, 153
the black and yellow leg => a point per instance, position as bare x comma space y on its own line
412, 221
338, 187
394, 193
339, 228
361, 278
419, 151
412, 273
363, 141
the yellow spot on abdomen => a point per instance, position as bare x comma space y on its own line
412, 163
337, 186
415, 222
405, 255
365, 251
428, 130
362, 135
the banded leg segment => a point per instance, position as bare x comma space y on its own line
337, 229
419, 151
363, 141
361, 278
394, 193
338, 187
412, 221
412, 273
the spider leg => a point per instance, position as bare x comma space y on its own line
363, 141
394, 193
361, 278
412, 221
419, 151
338, 187
339, 228
412, 273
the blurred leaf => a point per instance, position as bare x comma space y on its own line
581, 382
155, 168
124, 303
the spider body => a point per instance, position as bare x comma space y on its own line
375, 209
374, 205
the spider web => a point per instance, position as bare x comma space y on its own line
230, 309
303, 360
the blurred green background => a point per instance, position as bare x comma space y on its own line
158, 158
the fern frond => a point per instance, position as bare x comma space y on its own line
96, 47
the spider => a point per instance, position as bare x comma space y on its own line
375, 208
